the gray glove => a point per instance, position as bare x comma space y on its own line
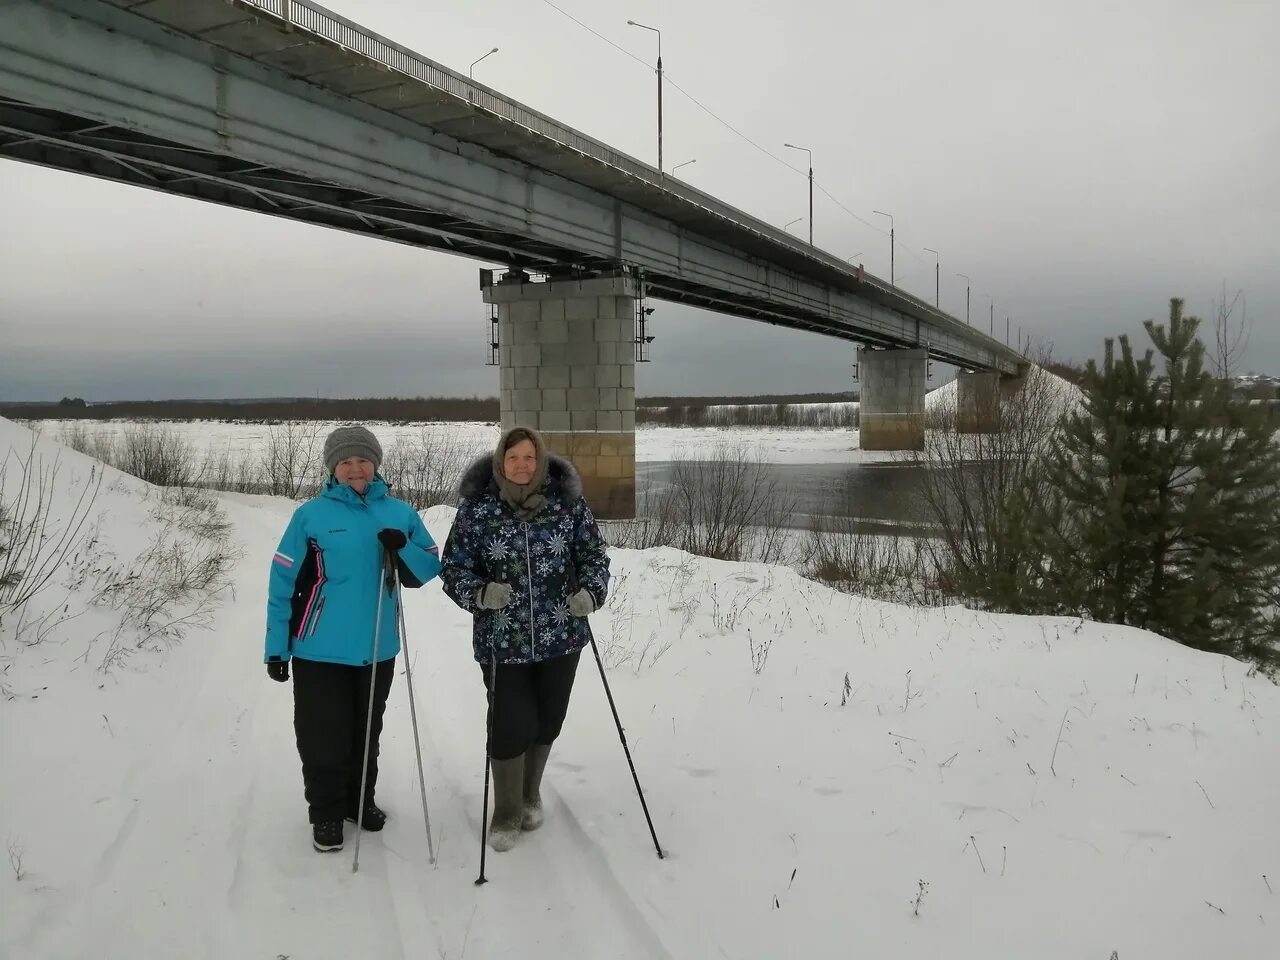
582, 603
493, 596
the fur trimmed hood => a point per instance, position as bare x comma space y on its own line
562, 478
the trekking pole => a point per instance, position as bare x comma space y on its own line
627, 750
413, 713
484, 807
368, 726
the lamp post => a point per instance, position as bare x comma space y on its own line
810, 153
474, 62
991, 315
891, 252
967, 284
937, 296
632, 23
787, 228
684, 164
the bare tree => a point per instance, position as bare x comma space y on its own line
156, 454
840, 552
1230, 333
425, 469
727, 505
289, 457
979, 486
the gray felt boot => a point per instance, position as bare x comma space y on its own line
535, 761
508, 802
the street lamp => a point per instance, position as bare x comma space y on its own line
856, 255
810, 153
632, 23
991, 316
891, 251
685, 164
788, 226
474, 62
967, 284
937, 299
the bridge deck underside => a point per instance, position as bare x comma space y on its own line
477, 185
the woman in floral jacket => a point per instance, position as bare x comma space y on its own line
525, 558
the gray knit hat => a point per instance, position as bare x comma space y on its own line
351, 441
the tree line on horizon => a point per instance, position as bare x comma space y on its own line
388, 409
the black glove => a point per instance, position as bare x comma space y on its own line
392, 539
278, 670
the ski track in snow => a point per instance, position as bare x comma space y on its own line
609, 887
531, 891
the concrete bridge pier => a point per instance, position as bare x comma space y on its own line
977, 401
980, 396
567, 362
891, 398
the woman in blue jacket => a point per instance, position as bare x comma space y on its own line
321, 607
526, 559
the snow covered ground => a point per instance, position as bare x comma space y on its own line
810, 758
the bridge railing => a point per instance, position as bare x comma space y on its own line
337, 29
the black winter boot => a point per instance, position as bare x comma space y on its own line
508, 802
374, 818
326, 836
535, 761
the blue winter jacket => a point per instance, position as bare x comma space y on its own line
328, 570
544, 560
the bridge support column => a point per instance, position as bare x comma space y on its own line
977, 401
567, 360
979, 397
891, 399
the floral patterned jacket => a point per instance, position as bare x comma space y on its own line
544, 560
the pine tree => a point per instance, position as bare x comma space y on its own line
1089, 521
1165, 504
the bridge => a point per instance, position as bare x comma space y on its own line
285, 108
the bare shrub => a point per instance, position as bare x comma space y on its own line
979, 487
621, 646
247, 477
220, 471
176, 584
75, 434
16, 853
759, 648
727, 506
654, 525
720, 501
290, 456
38, 534
840, 552
883, 566
157, 455
424, 470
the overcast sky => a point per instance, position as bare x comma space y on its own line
1083, 162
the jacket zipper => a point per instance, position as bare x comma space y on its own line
528, 563
315, 621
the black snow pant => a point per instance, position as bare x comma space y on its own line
529, 703
330, 710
